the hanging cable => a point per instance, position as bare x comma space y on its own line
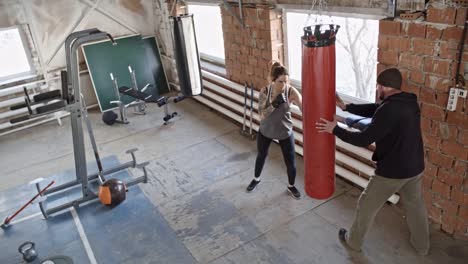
310, 13
460, 54
321, 6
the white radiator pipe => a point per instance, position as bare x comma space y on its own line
238, 98
366, 169
362, 152
223, 110
226, 82
238, 87
233, 115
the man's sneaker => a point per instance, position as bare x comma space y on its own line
252, 185
294, 192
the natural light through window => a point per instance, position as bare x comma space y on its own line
356, 52
15, 61
208, 27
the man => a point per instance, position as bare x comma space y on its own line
395, 129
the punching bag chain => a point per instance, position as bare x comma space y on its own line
322, 4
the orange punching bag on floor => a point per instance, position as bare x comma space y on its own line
318, 92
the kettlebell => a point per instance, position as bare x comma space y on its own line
28, 251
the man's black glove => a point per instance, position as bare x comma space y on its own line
278, 100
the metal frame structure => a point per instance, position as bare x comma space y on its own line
71, 93
139, 105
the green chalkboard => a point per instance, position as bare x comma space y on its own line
155, 64
103, 58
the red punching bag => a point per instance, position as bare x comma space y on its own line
318, 92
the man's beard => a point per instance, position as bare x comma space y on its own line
380, 96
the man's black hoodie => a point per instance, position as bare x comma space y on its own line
396, 131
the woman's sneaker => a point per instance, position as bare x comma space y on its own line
294, 192
252, 185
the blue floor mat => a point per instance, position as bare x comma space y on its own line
133, 232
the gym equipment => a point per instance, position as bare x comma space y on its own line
141, 53
37, 99
164, 101
160, 101
8, 219
71, 93
186, 54
57, 260
28, 251
50, 102
139, 104
318, 67
121, 105
244, 132
112, 192
109, 118
84, 112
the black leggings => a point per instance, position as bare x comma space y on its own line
287, 147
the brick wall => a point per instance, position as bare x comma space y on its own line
249, 50
426, 53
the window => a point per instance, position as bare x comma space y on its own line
16, 59
356, 52
208, 28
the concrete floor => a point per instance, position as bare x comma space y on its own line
199, 168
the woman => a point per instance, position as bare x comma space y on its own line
276, 123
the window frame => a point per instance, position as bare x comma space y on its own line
23, 75
203, 56
286, 10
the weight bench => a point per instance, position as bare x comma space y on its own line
52, 101
138, 94
148, 98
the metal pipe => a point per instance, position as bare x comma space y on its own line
70, 204
240, 11
229, 8
366, 169
251, 108
245, 107
460, 51
362, 152
91, 177
75, 110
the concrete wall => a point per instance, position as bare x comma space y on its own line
51, 21
47, 23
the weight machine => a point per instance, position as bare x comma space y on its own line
72, 101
